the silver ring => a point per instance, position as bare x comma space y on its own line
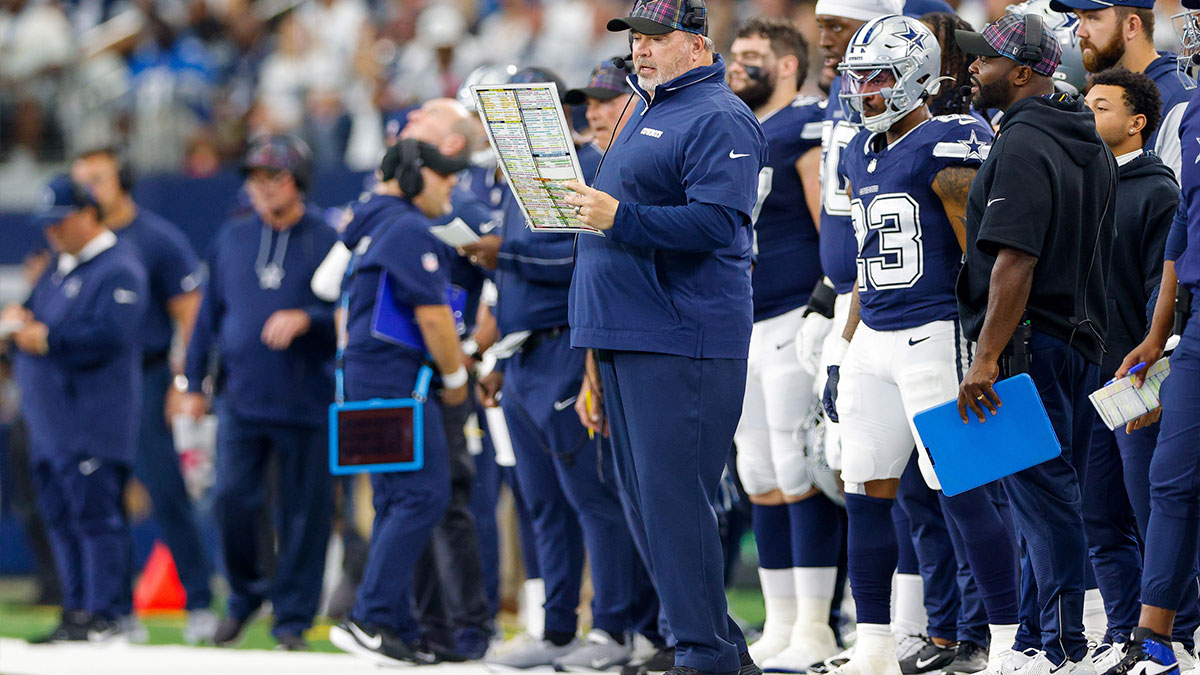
979, 397
474, 258
577, 209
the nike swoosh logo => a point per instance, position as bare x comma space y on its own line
912, 342
997, 199
372, 643
565, 403
735, 155
489, 226
921, 663
600, 664
89, 466
785, 343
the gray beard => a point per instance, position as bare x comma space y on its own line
648, 83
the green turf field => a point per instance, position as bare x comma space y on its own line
22, 621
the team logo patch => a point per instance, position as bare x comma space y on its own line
124, 296
430, 262
71, 287
652, 133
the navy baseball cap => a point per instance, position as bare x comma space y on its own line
1006, 37
280, 152
658, 17
60, 198
606, 82
1065, 6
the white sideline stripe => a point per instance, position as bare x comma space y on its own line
17, 656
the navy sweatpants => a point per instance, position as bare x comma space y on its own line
1047, 507
569, 486
672, 420
1114, 545
156, 465
80, 500
249, 454
1171, 535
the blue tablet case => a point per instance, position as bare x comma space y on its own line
966, 456
396, 323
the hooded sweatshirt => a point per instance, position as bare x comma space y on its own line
417, 266
1147, 197
1047, 189
1175, 89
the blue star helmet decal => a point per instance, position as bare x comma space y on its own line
915, 41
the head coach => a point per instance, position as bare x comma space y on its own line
663, 299
1031, 295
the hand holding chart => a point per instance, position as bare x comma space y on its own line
528, 132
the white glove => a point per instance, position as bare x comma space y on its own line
809, 340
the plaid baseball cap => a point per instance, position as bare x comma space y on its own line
1006, 37
1066, 6
60, 198
658, 17
606, 82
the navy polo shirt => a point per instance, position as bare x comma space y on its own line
670, 277
171, 270
82, 399
417, 266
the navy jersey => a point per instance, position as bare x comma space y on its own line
838, 247
466, 204
908, 255
171, 269
1185, 250
417, 265
1175, 89
82, 399
787, 261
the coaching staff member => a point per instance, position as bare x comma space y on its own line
79, 369
664, 299
1039, 236
275, 341
415, 182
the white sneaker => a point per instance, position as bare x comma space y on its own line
1107, 656
780, 623
1183, 657
1008, 662
810, 643
599, 651
643, 648
201, 626
534, 654
1042, 665
830, 664
135, 631
862, 665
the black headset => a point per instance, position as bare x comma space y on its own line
403, 162
1031, 51
694, 16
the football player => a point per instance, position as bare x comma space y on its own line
798, 529
908, 175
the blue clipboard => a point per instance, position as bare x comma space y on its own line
396, 323
966, 456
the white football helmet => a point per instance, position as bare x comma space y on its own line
899, 53
1187, 29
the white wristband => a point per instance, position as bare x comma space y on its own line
456, 379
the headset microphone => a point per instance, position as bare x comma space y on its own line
964, 91
623, 63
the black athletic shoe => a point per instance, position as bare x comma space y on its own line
230, 631
72, 628
291, 642
931, 657
968, 658
748, 666
659, 662
104, 630
1146, 654
377, 644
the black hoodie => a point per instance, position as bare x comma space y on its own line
1147, 196
1047, 189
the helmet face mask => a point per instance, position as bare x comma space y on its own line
1187, 29
896, 58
